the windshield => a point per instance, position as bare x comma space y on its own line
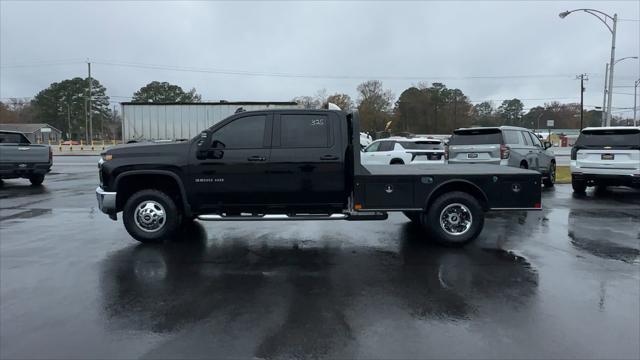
476, 137
622, 137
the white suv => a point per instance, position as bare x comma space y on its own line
606, 156
399, 151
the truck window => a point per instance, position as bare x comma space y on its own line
386, 145
373, 147
512, 137
536, 141
304, 131
527, 139
242, 133
11, 138
476, 137
613, 137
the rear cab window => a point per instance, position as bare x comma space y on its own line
622, 138
478, 136
12, 138
304, 130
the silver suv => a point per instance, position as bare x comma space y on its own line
504, 145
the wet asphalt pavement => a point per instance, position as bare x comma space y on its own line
560, 283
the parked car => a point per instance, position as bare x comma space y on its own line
606, 156
504, 145
400, 151
296, 165
21, 159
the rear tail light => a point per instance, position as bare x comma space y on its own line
504, 152
574, 153
446, 152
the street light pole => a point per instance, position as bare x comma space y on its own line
635, 99
604, 98
582, 79
603, 17
613, 62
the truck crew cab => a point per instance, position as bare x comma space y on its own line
297, 165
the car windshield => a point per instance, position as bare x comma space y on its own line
476, 137
422, 145
613, 137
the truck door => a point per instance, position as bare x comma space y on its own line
234, 172
307, 160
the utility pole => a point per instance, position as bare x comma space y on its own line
90, 119
603, 122
86, 122
68, 122
582, 78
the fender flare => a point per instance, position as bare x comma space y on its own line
173, 175
484, 198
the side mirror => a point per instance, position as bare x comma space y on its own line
547, 145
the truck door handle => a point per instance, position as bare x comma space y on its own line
328, 157
256, 158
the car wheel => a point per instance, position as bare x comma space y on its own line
36, 180
396, 162
151, 216
414, 216
454, 219
579, 186
550, 180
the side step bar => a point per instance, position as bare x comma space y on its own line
354, 216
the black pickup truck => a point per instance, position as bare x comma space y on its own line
298, 165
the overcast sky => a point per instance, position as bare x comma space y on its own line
235, 49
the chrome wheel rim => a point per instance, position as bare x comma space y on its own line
150, 216
456, 219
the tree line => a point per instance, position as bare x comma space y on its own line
420, 109
65, 106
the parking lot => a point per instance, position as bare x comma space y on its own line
560, 283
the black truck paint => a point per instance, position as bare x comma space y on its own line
298, 165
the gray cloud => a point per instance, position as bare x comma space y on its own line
428, 40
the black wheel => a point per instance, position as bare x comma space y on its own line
36, 180
151, 216
396, 162
523, 165
550, 180
454, 219
579, 186
414, 216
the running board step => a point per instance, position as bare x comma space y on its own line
368, 215
272, 217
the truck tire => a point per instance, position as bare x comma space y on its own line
550, 180
151, 216
36, 180
454, 219
414, 216
579, 186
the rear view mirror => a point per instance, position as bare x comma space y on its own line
547, 145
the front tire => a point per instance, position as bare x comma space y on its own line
36, 180
454, 219
579, 186
151, 216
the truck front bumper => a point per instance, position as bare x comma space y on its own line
107, 202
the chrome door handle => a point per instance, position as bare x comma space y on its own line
256, 158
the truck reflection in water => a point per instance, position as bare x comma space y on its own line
303, 299
606, 234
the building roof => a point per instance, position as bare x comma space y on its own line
26, 128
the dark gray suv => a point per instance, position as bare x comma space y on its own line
504, 145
